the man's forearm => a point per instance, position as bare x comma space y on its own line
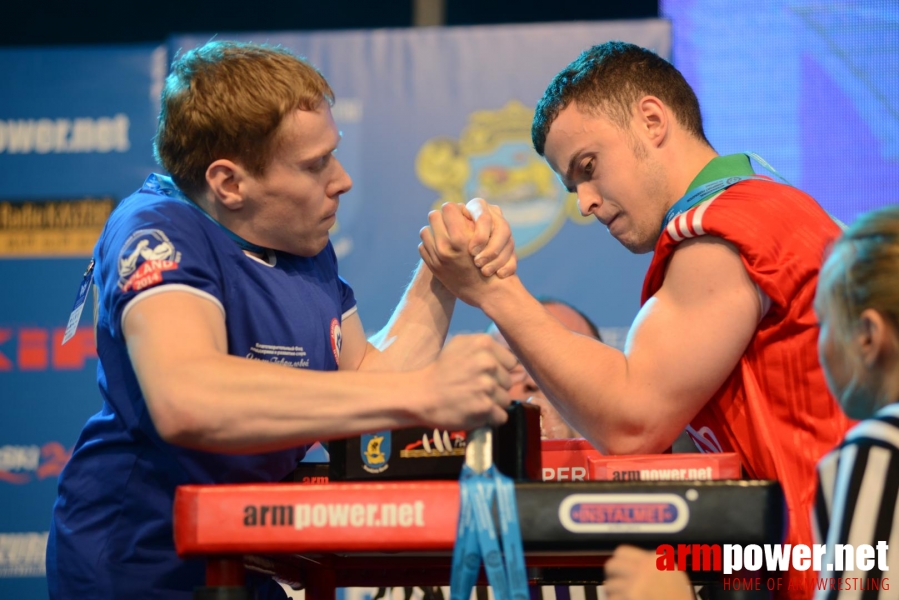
222, 403
587, 381
417, 330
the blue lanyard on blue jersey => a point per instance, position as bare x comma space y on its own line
705, 191
477, 537
168, 187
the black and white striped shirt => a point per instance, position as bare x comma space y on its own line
856, 503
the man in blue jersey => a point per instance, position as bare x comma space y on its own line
227, 340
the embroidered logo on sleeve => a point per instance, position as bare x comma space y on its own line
336, 339
145, 256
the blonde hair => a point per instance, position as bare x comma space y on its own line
862, 270
228, 100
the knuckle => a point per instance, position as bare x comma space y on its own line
484, 363
481, 340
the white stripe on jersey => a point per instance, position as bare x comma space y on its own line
678, 228
168, 287
697, 216
672, 230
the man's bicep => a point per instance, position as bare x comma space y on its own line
166, 331
690, 336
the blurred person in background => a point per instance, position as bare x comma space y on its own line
524, 388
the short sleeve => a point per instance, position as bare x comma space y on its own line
162, 247
347, 298
344, 289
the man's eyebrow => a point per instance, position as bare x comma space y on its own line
328, 150
337, 143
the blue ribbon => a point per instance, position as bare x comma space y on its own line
478, 537
704, 192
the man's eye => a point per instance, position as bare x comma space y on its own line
320, 164
587, 167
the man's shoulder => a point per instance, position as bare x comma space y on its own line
149, 209
150, 203
754, 214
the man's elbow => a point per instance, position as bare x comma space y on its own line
633, 441
174, 422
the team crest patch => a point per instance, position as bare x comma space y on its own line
375, 451
336, 339
144, 257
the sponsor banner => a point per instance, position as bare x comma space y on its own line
66, 129
624, 513
81, 134
666, 467
435, 444
567, 460
28, 349
422, 515
52, 227
383, 517
20, 465
23, 554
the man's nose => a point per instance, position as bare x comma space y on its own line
342, 182
587, 200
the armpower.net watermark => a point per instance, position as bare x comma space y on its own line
337, 515
743, 563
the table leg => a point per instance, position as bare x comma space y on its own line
321, 583
225, 580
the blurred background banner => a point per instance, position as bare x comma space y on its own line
433, 115
812, 86
428, 115
75, 132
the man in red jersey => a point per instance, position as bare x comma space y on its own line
724, 345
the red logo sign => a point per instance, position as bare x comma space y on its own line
23, 464
148, 274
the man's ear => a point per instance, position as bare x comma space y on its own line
875, 340
226, 180
653, 119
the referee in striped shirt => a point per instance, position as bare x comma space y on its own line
858, 483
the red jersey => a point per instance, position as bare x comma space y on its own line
774, 409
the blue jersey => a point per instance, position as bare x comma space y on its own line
111, 535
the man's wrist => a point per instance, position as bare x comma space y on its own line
501, 296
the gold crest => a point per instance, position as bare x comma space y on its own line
493, 159
373, 451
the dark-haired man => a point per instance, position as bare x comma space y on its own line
725, 342
227, 340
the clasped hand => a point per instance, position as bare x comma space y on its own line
465, 246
